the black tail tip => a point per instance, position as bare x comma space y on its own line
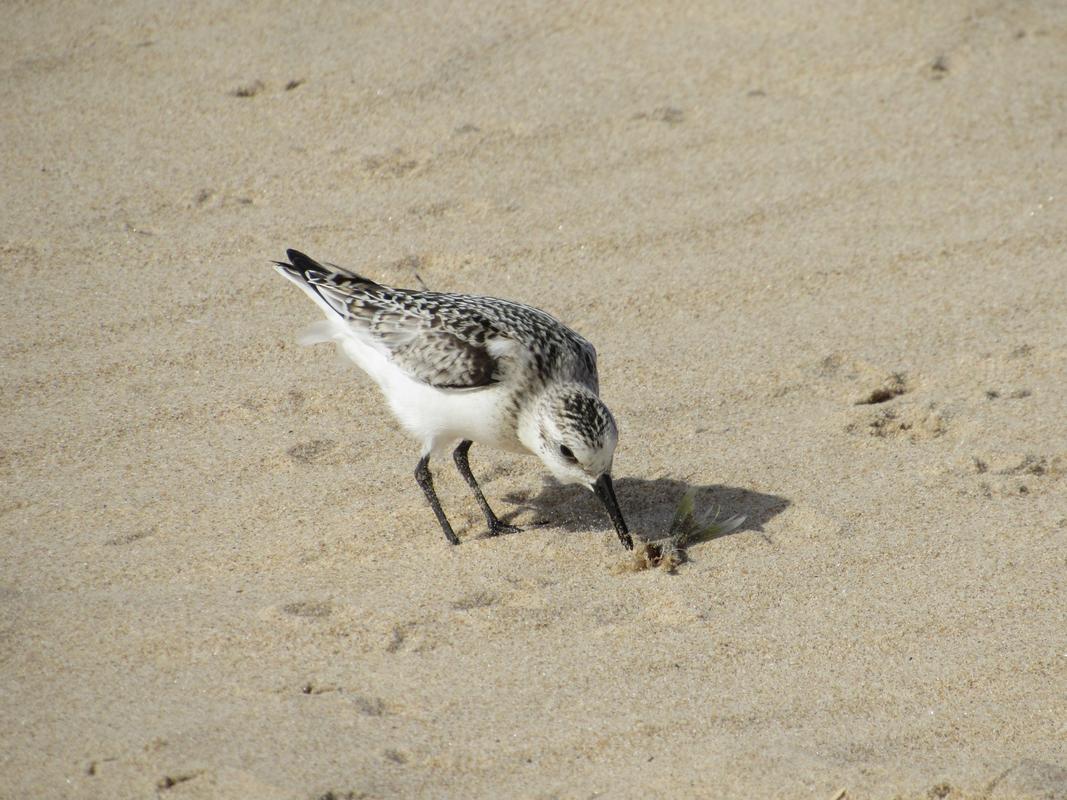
299, 260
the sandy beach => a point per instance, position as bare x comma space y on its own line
822, 252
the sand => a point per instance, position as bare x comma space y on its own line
218, 577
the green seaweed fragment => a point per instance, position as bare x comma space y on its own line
686, 528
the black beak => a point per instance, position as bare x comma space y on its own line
606, 492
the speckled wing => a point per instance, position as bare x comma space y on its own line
429, 346
419, 332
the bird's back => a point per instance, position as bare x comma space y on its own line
450, 341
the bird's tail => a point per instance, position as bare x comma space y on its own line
329, 285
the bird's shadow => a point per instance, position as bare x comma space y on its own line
647, 505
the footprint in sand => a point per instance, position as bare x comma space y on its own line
1011, 475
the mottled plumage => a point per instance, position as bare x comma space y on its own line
452, 341
465, 368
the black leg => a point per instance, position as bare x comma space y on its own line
496, 527
425, 481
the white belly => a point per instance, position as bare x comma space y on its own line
440, 418
435, 417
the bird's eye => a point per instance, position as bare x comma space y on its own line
567, 453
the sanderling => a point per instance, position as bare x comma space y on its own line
462, 368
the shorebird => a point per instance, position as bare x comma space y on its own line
464, 368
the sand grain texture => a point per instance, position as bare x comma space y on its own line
822, 256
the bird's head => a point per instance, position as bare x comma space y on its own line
575, 435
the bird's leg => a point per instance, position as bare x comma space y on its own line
425, 481
496, 527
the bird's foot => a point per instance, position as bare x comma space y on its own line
496, 527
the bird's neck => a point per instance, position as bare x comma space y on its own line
529, 428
